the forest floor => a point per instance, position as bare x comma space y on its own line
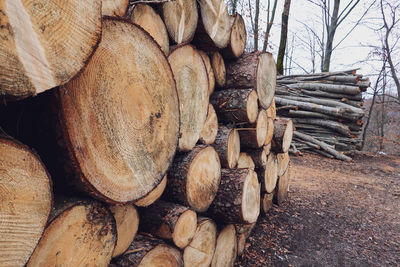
338, 214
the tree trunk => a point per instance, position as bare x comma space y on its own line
236, 105
181, 18
117, 8
282, 187
254, 70
127, 222
283, 41
170, 221
238, 197
283, 162
210, 71
254, 135
243, 231
210, 128
45, 45
238, 38
79, 233
269, 175
145, 16
154, 195
227, 145
256, 20
245, 162
148, 251
192, 84
194, 177
283, 134
26, 200
226, 248
267, 201
218, 65
331, 28
201, 250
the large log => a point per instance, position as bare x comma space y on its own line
236, 105
226, 248
44, 44
192, 85
170, 221
282, 187
127, 223
210, 71
238, 197
227, 145
120, 154
245, 161
180, 17
194, 177
218, 65
283, 133
238, 38
145, 16
253, 136
25, 201
210, 128
154, 195
79, 233
147, 251
201, 250
253, 70
269, 175
117, 8
243, 231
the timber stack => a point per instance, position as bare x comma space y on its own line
326, 109
146, 136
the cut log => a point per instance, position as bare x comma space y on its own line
214, 28
218, 65
80, 233
121, 154
336, 126
25, 201
45, 44
283, 162
154, 195
201, 250
267, 200
254, 135
170, 221
245, 161
147, 252
254, 70
236, 105
259, 157
210, 71
192, 85
127, 222
283, 133
271, 111
270, 131
194, 177
331, 88
145, 16
238, 38
227, 145
226, 248
210, 128
282, 187
267, 149
181, 17
117, 8
243, 231
238, 197
269, 175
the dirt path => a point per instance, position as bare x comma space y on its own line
339, 214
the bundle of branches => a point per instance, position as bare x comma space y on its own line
326, 109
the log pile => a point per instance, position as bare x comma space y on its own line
326, 109
156, 144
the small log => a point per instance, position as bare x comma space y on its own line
238, 197
259, 157
127, 223
267, 200
243, 231
245, 161
194, 177
170, 221
25, 200
46, 44
254, 135
309, 114
283, 134
145, 16
210, 128
271, 110
192, 85
181, 18
116, 8
269, 175
236, 105
226, 248
238, 38
148, 251
336, 126
227, 145
201, 250
270, 131
210, 71
283, 162
218, 65
154, 195
282, 187
331, 88
79, 233
254, 70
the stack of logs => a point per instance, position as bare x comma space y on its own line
326, 109
125, 124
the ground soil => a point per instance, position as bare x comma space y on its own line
338, 214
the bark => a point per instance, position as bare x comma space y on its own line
256, 20
283, 132
238, 38
227, 145
284, 31
210, 128
331, 30
226, 248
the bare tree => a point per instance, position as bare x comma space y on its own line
284, 31
270, 22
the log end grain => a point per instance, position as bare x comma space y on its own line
251, 198
210, 128
252, 106
218, 65
226, 248
238, 38
210, 71
267, 201
185, 228
266, 79
233, 149
154, 195
245, 161
116, 8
